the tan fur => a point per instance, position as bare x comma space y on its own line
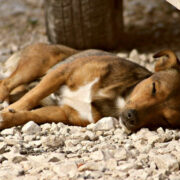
165, 63
33, 62
114, 86
161, 106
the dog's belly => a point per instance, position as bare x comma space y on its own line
80, 100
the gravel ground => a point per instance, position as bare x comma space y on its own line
102, 150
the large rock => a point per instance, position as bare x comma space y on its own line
31, 128
104, 124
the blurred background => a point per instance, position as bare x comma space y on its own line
148, 26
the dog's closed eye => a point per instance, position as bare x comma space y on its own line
153, 88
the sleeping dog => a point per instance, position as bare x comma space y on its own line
89, 85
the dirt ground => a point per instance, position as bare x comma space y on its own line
148, 26
152, 25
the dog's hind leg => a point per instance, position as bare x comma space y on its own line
34, 61
49, 114
49, 84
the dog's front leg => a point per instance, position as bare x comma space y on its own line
49, 84
49, 114
42, 115
4, 104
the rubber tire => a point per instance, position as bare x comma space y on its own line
83, 24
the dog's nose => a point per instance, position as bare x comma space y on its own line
129, 116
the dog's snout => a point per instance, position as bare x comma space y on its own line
129, 116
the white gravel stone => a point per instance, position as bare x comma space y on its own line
11, 141
92, 166
134, 55
28, 137
52, 141
167, 162
79, 136
91, 135
140, 174
105, 124
108, 153
37, 143
126, 166
72, 145
97, 155
73, 148
176, 154
160, 131
120, 154
143, 158
3, 147
18, 159
30, 177
143, 57
8, 131
54, 128
2, 158
46, 127
55, 157
66, 169
174, 177
91, 126
122, 55
75, 129
31, 128
71, 142
142, 146
111, 164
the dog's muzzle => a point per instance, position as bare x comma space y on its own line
129, 118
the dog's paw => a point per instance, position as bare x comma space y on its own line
3, 105
6, 120
2, 122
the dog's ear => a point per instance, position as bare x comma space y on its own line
167, 59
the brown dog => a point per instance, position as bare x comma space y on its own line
156, 100
92, 87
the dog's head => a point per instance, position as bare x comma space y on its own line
156, 100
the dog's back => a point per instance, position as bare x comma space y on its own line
53, 99
83, 54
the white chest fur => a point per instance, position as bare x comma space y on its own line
80, 100
121, 102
